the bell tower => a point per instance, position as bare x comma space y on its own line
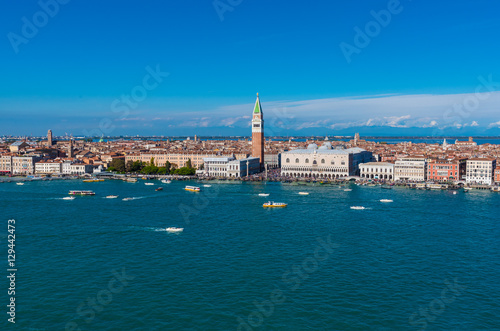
258, 132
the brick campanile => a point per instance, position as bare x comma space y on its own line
258, 132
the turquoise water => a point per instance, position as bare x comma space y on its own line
427, 261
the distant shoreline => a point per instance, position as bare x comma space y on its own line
282, 180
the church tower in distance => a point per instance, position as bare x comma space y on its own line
258, 132
49, 138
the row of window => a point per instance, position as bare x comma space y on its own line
434, 173
321, 169
375, 170
314, 161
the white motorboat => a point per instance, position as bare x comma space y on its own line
127, 199
263, 194
304, 193
20, 183
454, 192
347, 190
358, 207
111, 196
385, 200
206, 185
149, 184
174, 230
166, 181
68, 198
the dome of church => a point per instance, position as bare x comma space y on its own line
312, 146
327, 145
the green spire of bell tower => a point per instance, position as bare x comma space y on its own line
257, 109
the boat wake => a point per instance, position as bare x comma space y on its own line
155, 229
133, 198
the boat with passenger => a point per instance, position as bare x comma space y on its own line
159, 189
304, 193
385, 200
272, 204
111, 196
81, 192
192, 188
358, 207
68, 198
166, 181
263, 194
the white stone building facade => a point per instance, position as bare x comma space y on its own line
411, 169
480, 171
323, 162
48, 167
377, 170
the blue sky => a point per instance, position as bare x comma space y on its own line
430, 69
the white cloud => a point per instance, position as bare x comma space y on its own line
496, 124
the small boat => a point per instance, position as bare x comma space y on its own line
454, 192
131, 180
192, 188
467, 189
20, 183
174, 230
385, 200
127, 199
166, 181
68, 198
93, 180
304, 193
111, 196
159, 189
207, 185
81, 192
272, 204
263, 194
386, 187
435, 186
358, 207
149, 184
347, 190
